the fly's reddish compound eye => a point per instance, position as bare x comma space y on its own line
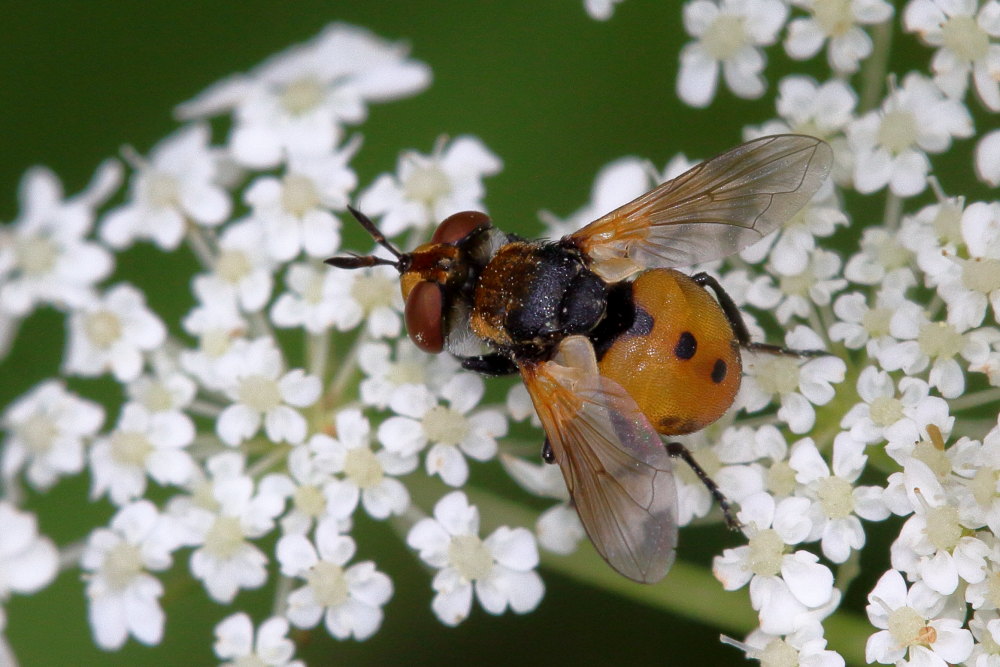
456, 227
424, 315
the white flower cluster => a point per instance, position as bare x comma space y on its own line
246, 446
245, 455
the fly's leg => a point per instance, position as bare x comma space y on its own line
677, 450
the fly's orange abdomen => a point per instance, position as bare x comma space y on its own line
679, 358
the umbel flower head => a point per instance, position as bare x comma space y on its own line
269, 442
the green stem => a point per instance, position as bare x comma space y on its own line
984, 397
873, 76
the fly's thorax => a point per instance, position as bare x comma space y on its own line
533, 294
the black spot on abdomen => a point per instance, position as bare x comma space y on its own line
719, 371
686, 346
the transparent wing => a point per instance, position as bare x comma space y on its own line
714, 209
615, 465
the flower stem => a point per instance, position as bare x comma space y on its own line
873, 76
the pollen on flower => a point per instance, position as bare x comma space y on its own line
940, 340
779, 653
259, 393
299, 194
302, 95
121, 564
963, 35
427, 183
233, 265
981, 275
363, 468
328, 584
158, 397
935, 459
225, 537
444, 425
725, 37
778, 375
766, 551
876, 322
984, 486
36, 255
470, 557
906, 626
162, 190
130, 447
313, 292
799, 284
885, 410
309, 500
993, 587
948, 222
38, 432
943, 529
103, 328
781, 479
836, 497
835, 17
898, 130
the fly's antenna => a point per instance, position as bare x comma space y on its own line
360, 261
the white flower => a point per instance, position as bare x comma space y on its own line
142, 443
123, 596
880, 408
241, 271
783, 586
262, 393
46, 432
176, 186
310, 300
807, 649
501, 568
922, 341
366, 474
218, 325
221, 519
729, 33
910, 629
168, 390
806, 278
298, 101
234, 639
963, 35
28, 561
861, 325
881, 255
453, 430
386, 372
988, 158
837, 503
600, 10
974, 281
428, 188
348, 599
295, 209
890, 144
838, 21
368, 295
111, 332
44, 255
799, 385
931, 546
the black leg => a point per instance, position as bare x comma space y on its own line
489, 364
735, 318
677, 450
547, 454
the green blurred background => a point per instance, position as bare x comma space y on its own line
555, 94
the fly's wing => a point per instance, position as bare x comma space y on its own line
713, 210
614, 463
